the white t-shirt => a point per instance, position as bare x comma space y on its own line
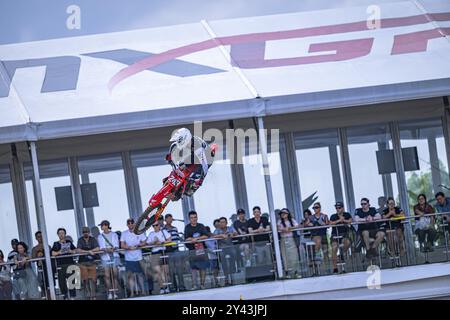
103, 244
132, 240
288, 225
161, 235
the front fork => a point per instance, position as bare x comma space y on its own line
161, 208
185, 182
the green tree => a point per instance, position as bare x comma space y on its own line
422, 183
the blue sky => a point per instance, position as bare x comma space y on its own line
30, 20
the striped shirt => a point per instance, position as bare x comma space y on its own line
173, 231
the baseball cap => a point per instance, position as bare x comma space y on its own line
105, 222
130, 220
241, 211
339, 204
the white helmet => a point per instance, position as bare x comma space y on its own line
181, 137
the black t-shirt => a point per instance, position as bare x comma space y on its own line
397, 211
241, 228
318, 222
92, 243
260, 238
369, 225
341, 228
395, 223
194, 232
57, 246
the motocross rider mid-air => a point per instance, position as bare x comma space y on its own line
186, 150
190, 158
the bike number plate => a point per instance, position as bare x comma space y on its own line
174, 181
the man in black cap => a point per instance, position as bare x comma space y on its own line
241, 227
341, 222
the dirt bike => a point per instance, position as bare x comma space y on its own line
174, 187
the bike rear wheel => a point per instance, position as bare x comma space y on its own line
147, 218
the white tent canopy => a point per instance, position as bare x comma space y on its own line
225, 69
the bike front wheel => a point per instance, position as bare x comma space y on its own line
147, 218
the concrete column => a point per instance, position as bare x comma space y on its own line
402, 187
187, 203
446, 128
336, 175
273, 221
386, 178
76, 194
20, 198
289, 170
434, 162
132, 186
346, 170
41, 216
90, 217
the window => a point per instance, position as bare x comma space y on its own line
53, 174
216, 197
107, 173
255, 181
319, 166
427, 136
363, 144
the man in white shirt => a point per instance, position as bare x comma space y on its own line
133, 257
109, 243
157, 238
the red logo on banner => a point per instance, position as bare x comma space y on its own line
247, 50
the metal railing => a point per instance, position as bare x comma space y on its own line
235, 260
392, 246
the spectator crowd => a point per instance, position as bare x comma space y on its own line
131, 265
